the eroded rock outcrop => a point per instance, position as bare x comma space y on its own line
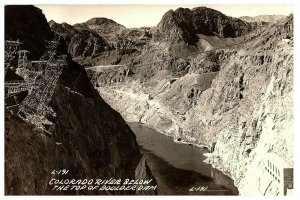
143, 172
81, 41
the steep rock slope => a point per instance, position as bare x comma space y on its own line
239, 98
264, 113
86, 136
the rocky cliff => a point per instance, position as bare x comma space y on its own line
264, 114
232, 92
85, 135
34, 31
81, 41
184, 24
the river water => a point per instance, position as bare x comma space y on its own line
179, 168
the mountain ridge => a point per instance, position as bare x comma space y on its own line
189, 28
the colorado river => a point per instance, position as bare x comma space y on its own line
179, 168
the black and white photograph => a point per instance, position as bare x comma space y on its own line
148, 99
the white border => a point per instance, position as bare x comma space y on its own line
296, 84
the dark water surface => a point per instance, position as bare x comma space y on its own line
179, 167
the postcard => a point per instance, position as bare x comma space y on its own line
149, 99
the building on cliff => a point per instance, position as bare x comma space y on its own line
280, 173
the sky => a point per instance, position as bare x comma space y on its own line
149, 15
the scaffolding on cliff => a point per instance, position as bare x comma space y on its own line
39, 77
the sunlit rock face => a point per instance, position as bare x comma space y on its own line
263, 18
